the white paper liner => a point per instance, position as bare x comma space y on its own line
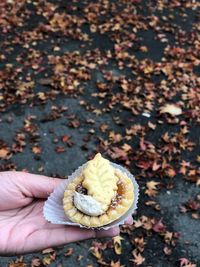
53, 208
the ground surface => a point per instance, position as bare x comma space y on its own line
119, 77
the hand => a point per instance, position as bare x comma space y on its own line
23, 228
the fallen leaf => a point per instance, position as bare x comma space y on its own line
117, 244
126, 147
195, 216
171, 109
159, 227
35, 262
168, 237
139, 243
155, 166
117, 153
96, 252
116, 264
137, 223
183, 261
151, 125
48, 250
36, 150
167, 250
69, 252
104, 127
138, 259
79, 258
186, 263
4, 152
151, 190
65, 138
143, 164
47, 260
74, 124
170, 172
60, 149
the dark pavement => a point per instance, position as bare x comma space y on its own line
135, 57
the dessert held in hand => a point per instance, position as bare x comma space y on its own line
100, 195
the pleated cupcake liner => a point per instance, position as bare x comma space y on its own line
53, 208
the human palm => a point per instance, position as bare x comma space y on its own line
23, 228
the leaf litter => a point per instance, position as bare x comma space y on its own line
152, 103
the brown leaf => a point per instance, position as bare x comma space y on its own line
115, 137
146, 222
186, 263
151, 188
4, 152
142, 164
116, 264
139, 243
117, 244
60, 149
170, 172
96, 252
155, 166
153, 204
171, 109
79, 258
148, 69
195, 216
152, 185
168, 237
117, 153
104, 127
137, 223
48, 250
47, 260
74, 123
159, 227
41, 96
192, 205
65, 138
183, 261
35, 262
101, 245
151, 125
167, 250
138, 259
69, 252
36, 149
126, 147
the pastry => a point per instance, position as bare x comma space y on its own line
99, 196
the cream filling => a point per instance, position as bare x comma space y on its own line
88, 205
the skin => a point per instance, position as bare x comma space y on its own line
23, 228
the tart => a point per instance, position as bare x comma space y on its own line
100, 195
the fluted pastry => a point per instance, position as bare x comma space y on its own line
99, 196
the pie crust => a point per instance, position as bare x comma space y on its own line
106, 184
